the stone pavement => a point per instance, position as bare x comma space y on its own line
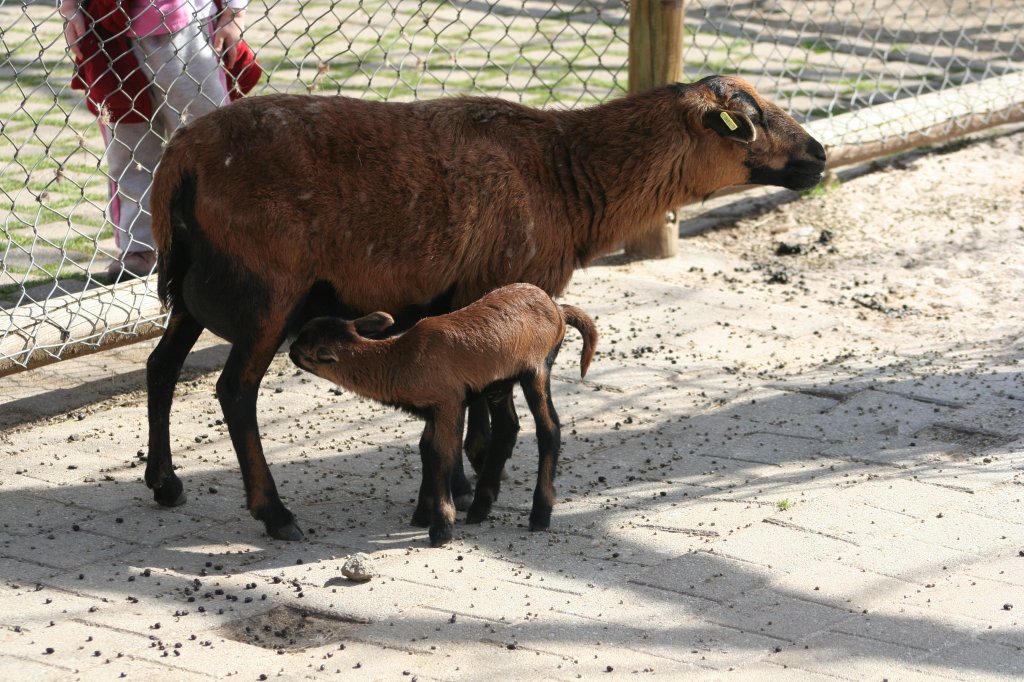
752, 486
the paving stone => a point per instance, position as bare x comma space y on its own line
851, 658
34, 670
63, 548
771, 545
906, 625
75, 646
18, 572
979, 660
705, 575
710, 646
766, 612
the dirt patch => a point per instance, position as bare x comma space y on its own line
903, 240
973, 441
291, 629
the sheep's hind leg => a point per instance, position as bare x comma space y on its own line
538, 396
237, 390
162, 371
503, 440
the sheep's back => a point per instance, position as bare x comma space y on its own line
393, 203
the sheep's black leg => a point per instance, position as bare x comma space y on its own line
237, 391
162, 371
538, 396
446, 447
505, 423
425, 500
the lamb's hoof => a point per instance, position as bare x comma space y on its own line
288, 532
171, 493
463, 501
441, 536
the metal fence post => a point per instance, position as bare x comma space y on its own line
655, 58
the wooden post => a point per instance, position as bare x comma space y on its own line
655, 58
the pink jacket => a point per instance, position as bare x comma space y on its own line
109, 73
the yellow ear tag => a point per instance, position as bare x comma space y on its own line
728, 120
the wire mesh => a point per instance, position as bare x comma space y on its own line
819, 59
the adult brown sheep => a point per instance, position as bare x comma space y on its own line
280, 208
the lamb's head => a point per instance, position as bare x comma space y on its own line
751, 139
323, 342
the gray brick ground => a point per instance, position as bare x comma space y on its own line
755, 483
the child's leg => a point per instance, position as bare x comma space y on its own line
132, 152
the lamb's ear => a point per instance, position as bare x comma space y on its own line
373, 323
731, 124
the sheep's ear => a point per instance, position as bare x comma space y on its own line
731, 124
326, 355
373, 323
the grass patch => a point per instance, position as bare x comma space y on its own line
829, 184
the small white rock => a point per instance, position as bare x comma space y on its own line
358, 567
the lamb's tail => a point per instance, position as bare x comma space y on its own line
579, 319
172, 203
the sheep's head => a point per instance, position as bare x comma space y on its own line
759, 141
323, 341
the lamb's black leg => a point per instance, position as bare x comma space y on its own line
478, 433
162, 371
446, 447
538, 396
425, 499
237, 390
462, 491
505, 423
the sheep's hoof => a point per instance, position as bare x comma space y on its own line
421, 517
478, 513
441, 536
289, 532
463, 501
481, 507
170, 493
279, 522
540, 519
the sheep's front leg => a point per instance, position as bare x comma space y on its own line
549, 435
505, 423
162, 371
237, 391
445, 448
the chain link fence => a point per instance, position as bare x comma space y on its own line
837, 65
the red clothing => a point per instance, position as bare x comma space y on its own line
110, 74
